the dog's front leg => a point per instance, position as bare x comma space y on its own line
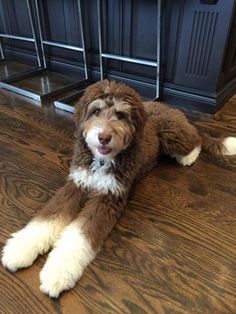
43, 230
79, 243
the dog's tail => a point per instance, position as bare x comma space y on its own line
219, 146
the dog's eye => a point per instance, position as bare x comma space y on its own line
96, 112
120, 115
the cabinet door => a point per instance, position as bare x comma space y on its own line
229, 68
202, 43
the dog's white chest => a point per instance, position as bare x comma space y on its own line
98, 180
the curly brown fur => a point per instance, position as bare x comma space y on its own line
118, 140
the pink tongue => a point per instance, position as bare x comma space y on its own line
104, 150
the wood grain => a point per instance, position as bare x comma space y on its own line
174, 248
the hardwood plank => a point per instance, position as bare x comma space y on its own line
56, 122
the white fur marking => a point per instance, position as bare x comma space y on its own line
25, 245
97, 103
92, 137
66, 262
189, 159
98, 180
229, 146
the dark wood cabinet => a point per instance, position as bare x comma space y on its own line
198, 50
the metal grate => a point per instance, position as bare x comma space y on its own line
60, 45
22, 38
6, 83
103, 55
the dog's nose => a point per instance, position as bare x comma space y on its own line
104, 138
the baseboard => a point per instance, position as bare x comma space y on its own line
188, 99
171, 93
225, 93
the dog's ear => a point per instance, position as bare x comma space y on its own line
80, 111
138, 113
139, 117
91, 93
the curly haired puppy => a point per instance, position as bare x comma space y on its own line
118, 139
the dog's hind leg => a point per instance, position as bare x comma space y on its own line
79, 243
178, 138
43, 230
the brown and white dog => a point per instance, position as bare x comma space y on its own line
118, 140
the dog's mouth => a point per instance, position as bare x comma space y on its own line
104, 150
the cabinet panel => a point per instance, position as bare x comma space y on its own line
202, 41
197, 57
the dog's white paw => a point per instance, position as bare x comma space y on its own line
18, 252
66, 262
189, 159
57, 277
229, 146
25, 245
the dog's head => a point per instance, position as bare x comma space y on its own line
109, 117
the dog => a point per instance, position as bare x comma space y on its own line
118, 139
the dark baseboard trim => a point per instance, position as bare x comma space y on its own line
189, 100
21, 56
173, 94
225, 93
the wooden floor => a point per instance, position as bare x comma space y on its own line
174, 249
